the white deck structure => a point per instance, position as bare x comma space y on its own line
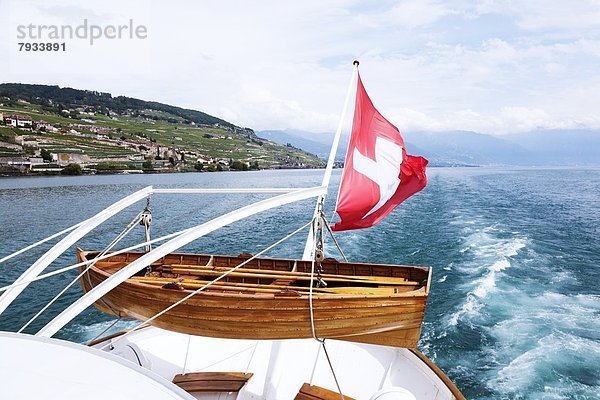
40, 368
280, 367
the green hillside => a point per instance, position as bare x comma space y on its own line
128, 130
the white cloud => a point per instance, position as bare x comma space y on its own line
405, 14
537, 15
274, 65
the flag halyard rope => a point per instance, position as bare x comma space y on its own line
318, 231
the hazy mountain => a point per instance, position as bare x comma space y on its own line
316, 143
560, 147
301, 140
464, 147
543, 147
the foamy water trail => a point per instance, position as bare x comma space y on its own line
540, 343
487, 255
548, 335
89, 332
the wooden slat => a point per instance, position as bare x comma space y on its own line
256, 273
309, 392
192, 284
211, 386
331, 266
295, 273
197, 382
212, 376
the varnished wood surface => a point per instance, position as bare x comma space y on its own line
389, 313
311, 392
198, 382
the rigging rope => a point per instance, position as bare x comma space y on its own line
251, 358
116, 240
104, 331
334, 239
310, 305
332, 371
187, 352
195, 292
31, 246
83, 263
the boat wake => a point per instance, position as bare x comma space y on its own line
548, 344
517, 297
486, 257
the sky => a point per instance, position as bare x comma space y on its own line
490, 66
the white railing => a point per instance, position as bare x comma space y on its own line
83, 228
59, 248
177, 242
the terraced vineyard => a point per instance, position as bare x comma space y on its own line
138, 134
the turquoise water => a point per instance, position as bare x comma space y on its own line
515, 306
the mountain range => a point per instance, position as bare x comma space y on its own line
461, 148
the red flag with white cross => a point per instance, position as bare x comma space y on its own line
378, 173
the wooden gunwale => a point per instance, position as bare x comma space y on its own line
345, 278
284, 264
415, 293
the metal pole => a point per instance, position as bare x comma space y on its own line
308, 248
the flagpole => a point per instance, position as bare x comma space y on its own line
310, 241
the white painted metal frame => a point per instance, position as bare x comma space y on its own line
186, 237
224, 190
83, 228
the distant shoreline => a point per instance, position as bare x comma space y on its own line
507, 167
140, 172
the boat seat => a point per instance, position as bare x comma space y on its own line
195, 382
283, 282
310, 392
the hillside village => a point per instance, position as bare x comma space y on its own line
49, 138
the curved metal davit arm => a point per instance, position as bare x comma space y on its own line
179, 241
82, 229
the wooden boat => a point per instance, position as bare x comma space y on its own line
268, 298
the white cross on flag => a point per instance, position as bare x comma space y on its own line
378, 174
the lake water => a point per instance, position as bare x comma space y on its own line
515, 306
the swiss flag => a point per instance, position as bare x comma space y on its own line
378, 174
